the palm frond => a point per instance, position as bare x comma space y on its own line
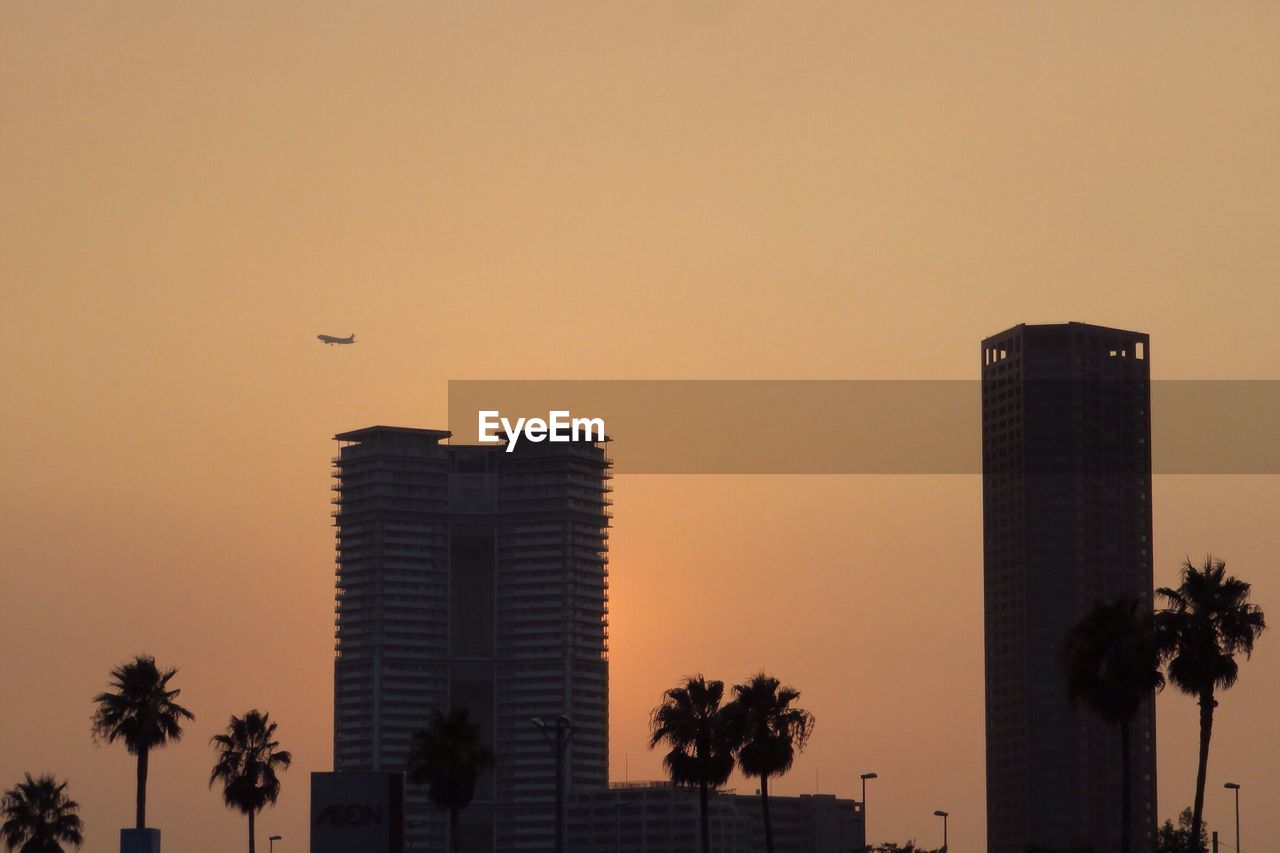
1206, 622
769, 732
248, 757
39, 815
449, 757
691, 722
1112, 659
139, 709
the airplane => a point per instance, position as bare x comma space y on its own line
330, 339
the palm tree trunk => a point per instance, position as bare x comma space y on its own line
706, 823
1126, 793
251, 831
143, 755
453, 830
764, 804
1207, 704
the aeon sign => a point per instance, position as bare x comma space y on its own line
351, 814
357, 813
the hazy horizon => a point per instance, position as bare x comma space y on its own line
684, 190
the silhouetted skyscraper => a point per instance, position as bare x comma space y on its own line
468, 576
1066, 461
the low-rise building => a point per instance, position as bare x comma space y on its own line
658, 817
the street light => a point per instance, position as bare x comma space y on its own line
865, 777
1232, 786
558, 733
271, 842
943, 815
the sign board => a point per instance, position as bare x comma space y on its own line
357, 813
139, 841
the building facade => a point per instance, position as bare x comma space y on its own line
469, 576
357, 813
1066, 450
658, 817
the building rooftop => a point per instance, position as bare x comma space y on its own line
365, 432
1076, 323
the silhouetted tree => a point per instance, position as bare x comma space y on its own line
1207, 621
449, 757
892, 847
1178, 840
39, 817
248, 758
769, 733
139, 710
692, 723
1113, 665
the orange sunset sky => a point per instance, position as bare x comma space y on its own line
192, 191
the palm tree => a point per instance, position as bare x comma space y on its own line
1208, 620
39, 817
1113, 665
248, 757
449, 757
139, 709
769, 733
692, 723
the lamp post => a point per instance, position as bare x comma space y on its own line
943, 815
865, 777
1232, 786
558, 733
271, 842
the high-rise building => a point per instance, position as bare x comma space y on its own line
1066, 461
469, 576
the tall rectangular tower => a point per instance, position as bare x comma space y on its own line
1066, 462
468, 576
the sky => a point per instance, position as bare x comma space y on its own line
191, 192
